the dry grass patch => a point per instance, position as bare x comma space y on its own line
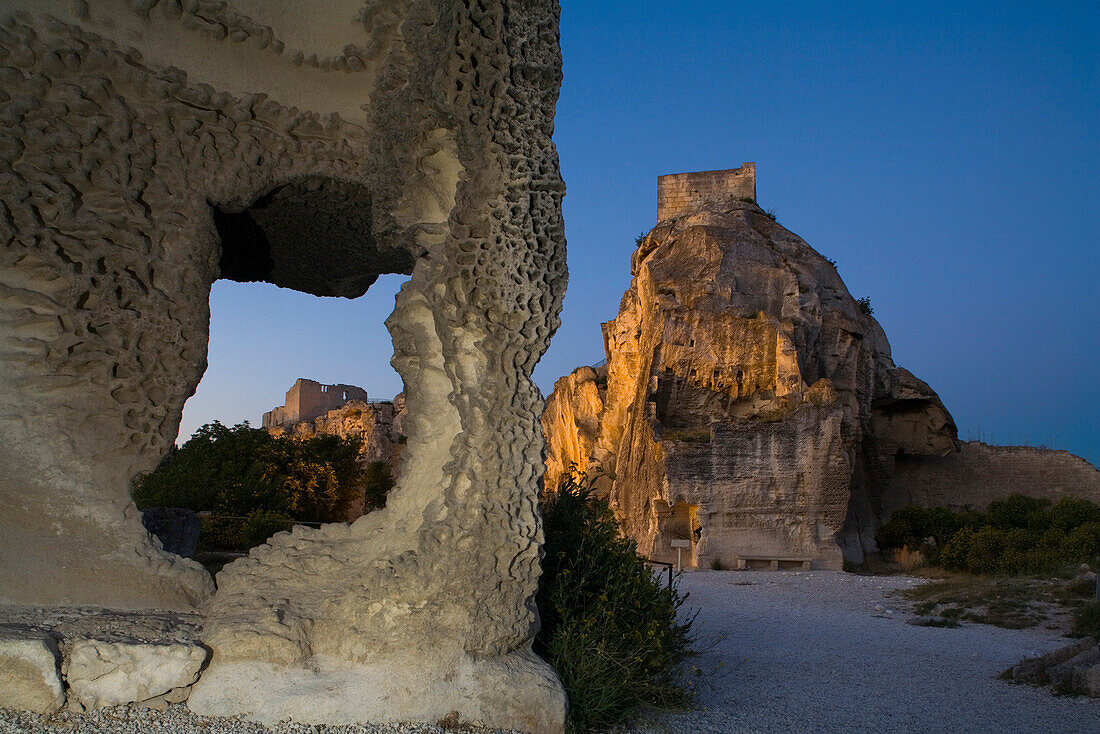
1010, 602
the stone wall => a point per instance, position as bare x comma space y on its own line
681, 193
309, 399
979, 474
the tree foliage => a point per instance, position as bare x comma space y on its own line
1015, 535
247, 472
377, 483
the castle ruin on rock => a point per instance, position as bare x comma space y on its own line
680, 193
750, 410
148, 149
308, 399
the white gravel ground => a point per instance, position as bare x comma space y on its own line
823, 651
791, 652
178, 719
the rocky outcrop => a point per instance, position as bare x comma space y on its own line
1073, 669
751, 406
149, 149
377, 424
571, 422
176, 528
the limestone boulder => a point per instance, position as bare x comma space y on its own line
752, 408
1085, 680
118, 672
29, 675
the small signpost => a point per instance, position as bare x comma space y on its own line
679, 545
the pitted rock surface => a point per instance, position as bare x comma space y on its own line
147, 149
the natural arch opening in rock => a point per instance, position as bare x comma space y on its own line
301, 238
267, 345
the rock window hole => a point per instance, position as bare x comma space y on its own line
275, 327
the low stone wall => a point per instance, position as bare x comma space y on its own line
979, 474
89, 658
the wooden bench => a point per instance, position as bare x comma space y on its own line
773, 561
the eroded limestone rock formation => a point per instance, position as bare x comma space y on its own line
149, 148
751, 407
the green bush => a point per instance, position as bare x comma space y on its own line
221, 533
377, 483
1070, 513
1017, 535
984, 553
955, 550
261, 525
609, 625
254, 483
1083, 542
1086, 622
1018, 511
912, 525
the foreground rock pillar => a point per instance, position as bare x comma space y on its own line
148, 149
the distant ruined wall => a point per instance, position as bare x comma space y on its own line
309, 399
681, 193
979, 474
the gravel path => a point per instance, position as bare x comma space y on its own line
824, 651
178, 719
788, 652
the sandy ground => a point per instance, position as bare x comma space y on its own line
824, 651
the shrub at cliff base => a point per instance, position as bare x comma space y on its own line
609, 626
1016, 535
1086, 622
253, 483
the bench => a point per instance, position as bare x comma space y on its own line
773, 561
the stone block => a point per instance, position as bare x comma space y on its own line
111, 673
1086, 681
29, 679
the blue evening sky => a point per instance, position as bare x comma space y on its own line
945, 154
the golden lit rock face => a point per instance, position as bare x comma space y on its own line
149, 148
751, 408
571, 422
